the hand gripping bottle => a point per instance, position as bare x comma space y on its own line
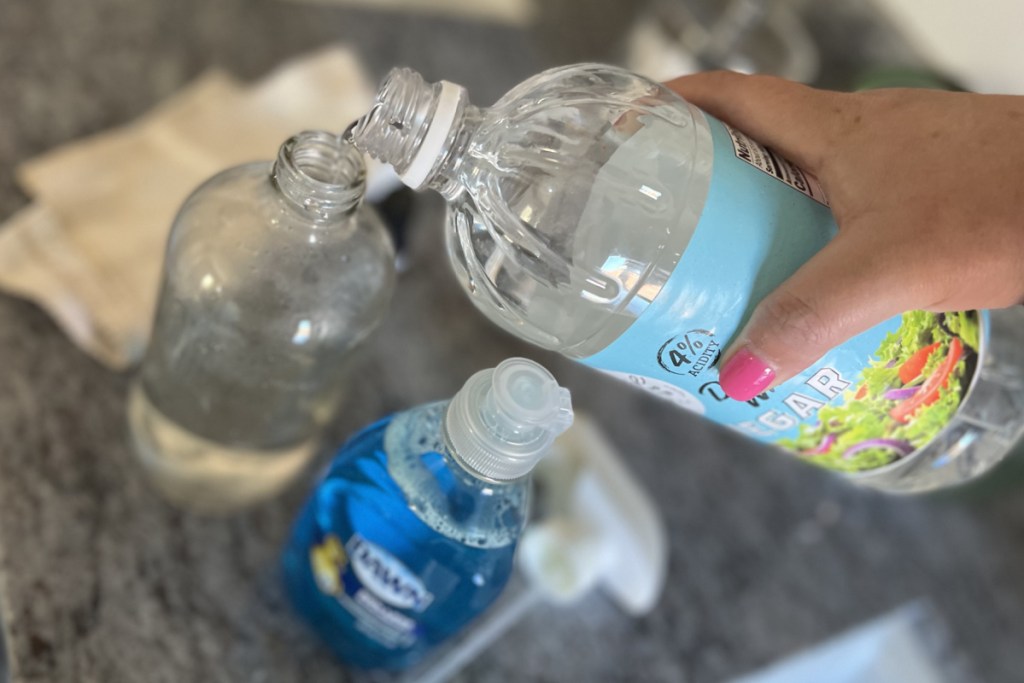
410, 533
596, 213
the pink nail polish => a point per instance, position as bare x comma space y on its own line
744, 376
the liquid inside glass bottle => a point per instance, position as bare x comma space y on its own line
273, 273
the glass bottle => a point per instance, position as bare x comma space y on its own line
274, 271
411, 532
596, 213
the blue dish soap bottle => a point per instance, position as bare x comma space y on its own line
411, 531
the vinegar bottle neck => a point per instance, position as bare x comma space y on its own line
421, 129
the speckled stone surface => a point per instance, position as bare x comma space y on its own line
101, 582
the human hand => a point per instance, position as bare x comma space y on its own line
927, 188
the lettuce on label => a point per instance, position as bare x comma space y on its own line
882, 418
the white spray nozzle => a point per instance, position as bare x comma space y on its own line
502, 421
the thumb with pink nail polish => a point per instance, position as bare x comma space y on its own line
744, 375
836, 295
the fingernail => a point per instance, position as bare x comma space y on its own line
744, 375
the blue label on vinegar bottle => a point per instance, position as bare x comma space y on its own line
864, 404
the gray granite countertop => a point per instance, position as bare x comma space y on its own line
102, 582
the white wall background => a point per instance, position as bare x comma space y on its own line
979, 42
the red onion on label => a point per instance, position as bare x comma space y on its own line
898, 445
826, 443
900, 394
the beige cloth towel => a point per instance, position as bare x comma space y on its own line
89, 249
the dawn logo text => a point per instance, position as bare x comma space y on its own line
386, 577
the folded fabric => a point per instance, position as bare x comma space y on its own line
89, 249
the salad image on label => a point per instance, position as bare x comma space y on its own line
902, 399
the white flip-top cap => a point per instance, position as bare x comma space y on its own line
502, 421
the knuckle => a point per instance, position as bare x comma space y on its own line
790, 318
845, 115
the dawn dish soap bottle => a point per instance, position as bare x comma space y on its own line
596, 213
411, 532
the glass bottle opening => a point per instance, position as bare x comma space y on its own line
320, 172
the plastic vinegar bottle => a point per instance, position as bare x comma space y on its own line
596, 213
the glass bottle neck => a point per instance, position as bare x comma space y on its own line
320, 174
421, 129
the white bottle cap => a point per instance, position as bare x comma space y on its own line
502, 421
447, 110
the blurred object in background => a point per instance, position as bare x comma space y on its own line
903, 77
601, 528
909, 645
89, 249
396, 208
514, 12
978, 43
676, 37
568, 31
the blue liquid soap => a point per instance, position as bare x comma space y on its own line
411, 532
